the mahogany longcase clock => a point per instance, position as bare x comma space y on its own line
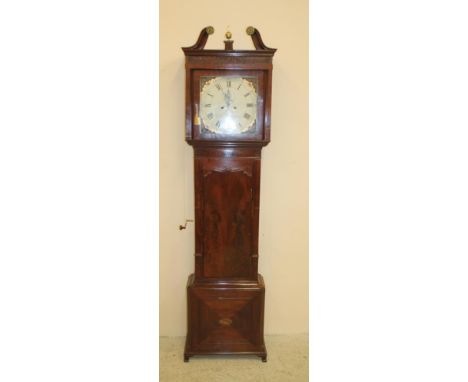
228, 103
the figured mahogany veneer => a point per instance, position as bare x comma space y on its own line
227, 198
226, 295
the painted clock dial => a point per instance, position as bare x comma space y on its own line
228, 104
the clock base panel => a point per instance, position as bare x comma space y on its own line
225, 319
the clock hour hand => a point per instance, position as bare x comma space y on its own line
227, 98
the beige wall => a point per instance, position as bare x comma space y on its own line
283, 238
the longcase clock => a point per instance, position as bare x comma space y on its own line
228, 104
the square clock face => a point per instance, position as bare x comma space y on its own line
228, 104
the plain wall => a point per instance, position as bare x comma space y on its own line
283, 240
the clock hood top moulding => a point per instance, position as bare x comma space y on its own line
198, 48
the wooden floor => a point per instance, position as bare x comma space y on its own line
287, 362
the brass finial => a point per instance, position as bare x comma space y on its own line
209, 30
228, 35
250, 31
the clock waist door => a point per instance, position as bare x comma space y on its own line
226, 213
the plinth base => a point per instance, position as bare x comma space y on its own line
225, 318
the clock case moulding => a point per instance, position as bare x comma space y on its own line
226, 294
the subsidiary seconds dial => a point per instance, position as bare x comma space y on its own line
228, 105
